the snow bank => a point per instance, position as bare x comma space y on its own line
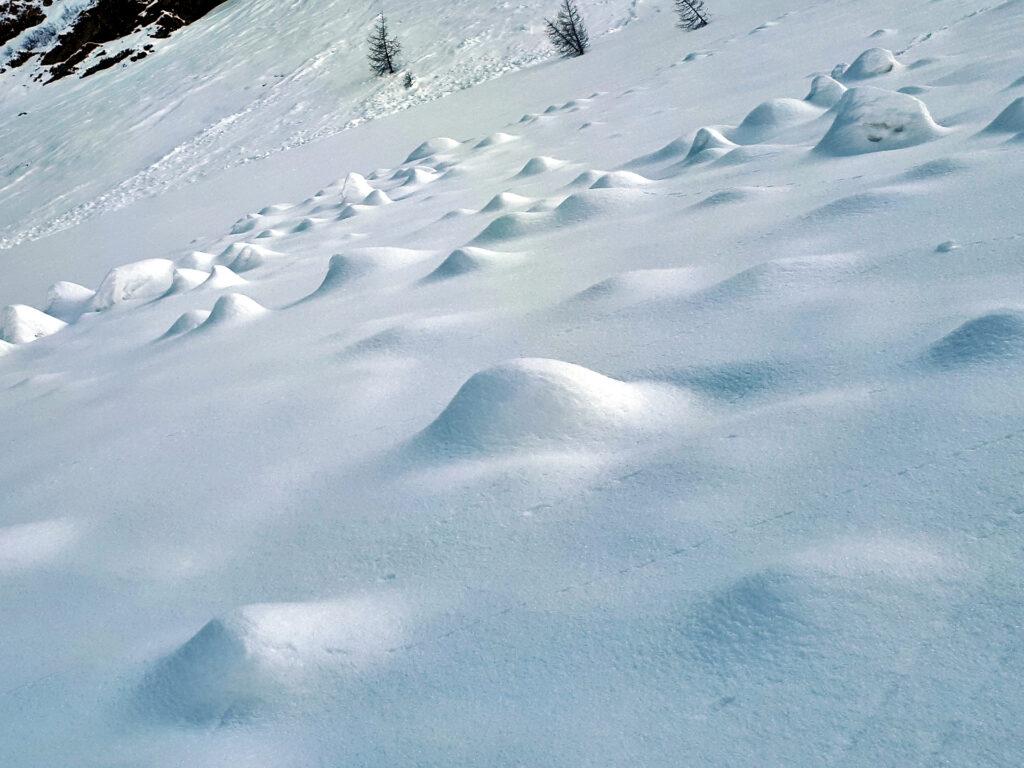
875, 120
21, 324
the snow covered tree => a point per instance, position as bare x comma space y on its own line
692, 14
384, 49
568, 33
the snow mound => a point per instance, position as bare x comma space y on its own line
184, 280
620, 180
988, 338
242, 257
595, 203
1010, 120
495, 140
874, 62
675, 149
138, 281
273, 210
67, 301
787, 276
875, 120
505, 201
526, 401
222, 277
267, 653
188, 321
21, 324
771, 117
247, 223
640, 285
508, 227
538, 165
340, 270
825, 91
708, 144
28, 545
376, 198
306, 224
585, 179
234, 309
465, 260
431, 148
198, 260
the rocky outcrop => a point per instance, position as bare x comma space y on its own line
94, 39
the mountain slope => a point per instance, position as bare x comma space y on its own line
657, 406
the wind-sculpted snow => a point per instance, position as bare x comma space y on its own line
874, 120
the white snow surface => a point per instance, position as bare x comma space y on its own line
658, 407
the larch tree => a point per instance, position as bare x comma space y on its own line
692, 14
384, 49
567, 32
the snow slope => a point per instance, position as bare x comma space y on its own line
657, 407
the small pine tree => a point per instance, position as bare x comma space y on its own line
384, 49
568, 33
408, 81
692, 14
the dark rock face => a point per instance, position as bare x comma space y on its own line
18, 15
99, 26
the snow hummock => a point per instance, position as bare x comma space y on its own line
185, 280
21, 324
825, 91
234, 309
223, 277
524, 402
1010, 120
469, 259
876, 120
432, 147
187, 322
984, 339
261, 655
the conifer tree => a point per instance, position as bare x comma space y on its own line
384, 49
692, 14
568, 33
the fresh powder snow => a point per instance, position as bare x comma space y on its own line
662, 406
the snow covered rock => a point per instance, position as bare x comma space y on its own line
138, 281
185, 280
21, 324
67, 301
875, 120
874, 62
825, 91
242, 257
